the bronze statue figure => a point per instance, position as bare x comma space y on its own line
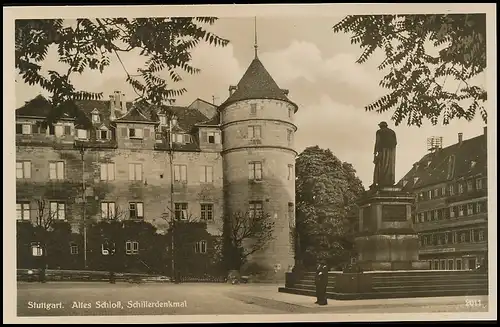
384, 157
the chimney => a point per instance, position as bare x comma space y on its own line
124, 104
232, 88
485, 131
112, 115
460, 138
117, 100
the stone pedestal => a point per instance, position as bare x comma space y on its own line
386, 239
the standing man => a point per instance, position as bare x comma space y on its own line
384, 157
321, 283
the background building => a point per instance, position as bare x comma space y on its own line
114, 159
451, 194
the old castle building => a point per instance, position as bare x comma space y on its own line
451, 212
199, 162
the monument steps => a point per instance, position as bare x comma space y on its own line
401, 284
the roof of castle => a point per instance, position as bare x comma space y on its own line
257, 83
449, 163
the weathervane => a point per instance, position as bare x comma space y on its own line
255, 33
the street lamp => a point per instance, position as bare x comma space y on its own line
84, 202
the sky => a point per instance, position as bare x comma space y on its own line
315, 64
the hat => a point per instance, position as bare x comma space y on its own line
382, 124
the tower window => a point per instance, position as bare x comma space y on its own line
254, 132
255, 171
255, 209
253, 109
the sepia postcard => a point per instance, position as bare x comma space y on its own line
249, 163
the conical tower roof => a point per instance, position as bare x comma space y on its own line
257, 83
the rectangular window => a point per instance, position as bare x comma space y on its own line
436, 192
186, 138
451, 190
253, 109
135, 133
131, 247
255, 171
56, 170
73, 249
200, 247
23, 169
136, 210
429, 194
452, 212
479, 207
470, 209
107, 171
96, 118
81, 134
108, 210
207, 212
459, 264
57, 210
463, 237
23, 211
135, 172
207, 174
255, 209
469, 186
19, 128
181, 211
435, 214
25, 129
290, 172
163, 120
213, 137
460, 188
254, 132
479, 183
180, 173
451, 264
472, 237
481, 236
460, 210
67, 130
443, 191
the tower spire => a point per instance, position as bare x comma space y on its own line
255, 33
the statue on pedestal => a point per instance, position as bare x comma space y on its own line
384, 174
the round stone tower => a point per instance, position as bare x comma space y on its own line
257, 122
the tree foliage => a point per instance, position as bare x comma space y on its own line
417, 78
89, 44
326, 191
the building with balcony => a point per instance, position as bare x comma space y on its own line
451, 211
108, 159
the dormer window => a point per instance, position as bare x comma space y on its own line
96, 118
163, 120
173, 120
181, 138
135, 133
103, 134
472, 164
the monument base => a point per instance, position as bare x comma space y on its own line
386, 240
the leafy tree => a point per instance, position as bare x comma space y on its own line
245, 234
326, 191
417, 77
88, 44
